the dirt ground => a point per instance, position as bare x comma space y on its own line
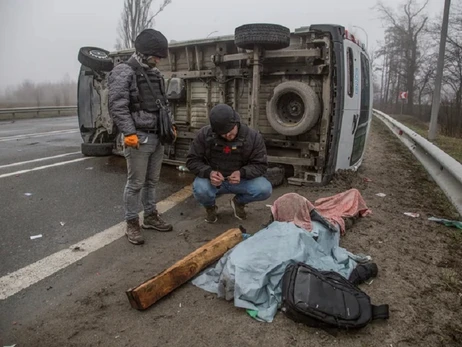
419, 274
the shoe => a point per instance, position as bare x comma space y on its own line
363, 272
211, 214
239, 209
154, 221
133, 232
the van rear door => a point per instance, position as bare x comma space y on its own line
351, 106
365, 112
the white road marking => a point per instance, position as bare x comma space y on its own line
13, 283
43, 167
39, 159
49, 133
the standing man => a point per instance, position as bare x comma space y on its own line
228, 158
136, 100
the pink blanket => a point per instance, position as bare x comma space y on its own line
293, 207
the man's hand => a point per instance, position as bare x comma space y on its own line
216, 178
132, 141
235, 177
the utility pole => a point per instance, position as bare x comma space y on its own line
439, 74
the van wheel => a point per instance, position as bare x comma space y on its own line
95, 58
97, 149
267, 36
293, 109
275, 175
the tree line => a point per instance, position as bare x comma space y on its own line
406, 61
31, 94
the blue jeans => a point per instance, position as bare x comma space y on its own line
246, 191
143, 172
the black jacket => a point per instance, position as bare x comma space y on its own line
253, 154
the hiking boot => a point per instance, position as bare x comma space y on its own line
211, 214
154, 221
133, 232
239, 209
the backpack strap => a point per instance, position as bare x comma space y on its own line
380, 312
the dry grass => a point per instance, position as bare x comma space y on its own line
451, 145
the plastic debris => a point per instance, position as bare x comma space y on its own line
412, 214
367, 179
382, 195
89, 168
10, 346
180, 304
28, 194
447, 222
182, 168
62, 223
36, 236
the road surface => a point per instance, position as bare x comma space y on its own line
77, 297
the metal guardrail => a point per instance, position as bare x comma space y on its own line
36, 110
445, 170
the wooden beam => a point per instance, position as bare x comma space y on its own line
149, 292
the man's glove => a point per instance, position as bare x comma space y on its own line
132, 141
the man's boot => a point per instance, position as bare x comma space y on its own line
211, 212
239, 209
133, 232
154, 221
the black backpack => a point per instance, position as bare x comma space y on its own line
326, 299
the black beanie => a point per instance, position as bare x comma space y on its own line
151, 42
223, 119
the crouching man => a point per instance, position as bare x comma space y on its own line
228, 158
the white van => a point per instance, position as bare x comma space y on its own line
308, 92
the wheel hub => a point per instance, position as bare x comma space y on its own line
98, 54
290, 108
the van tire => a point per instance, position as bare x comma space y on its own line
95, 58
275, 175
97, 149
304, 103
267, 36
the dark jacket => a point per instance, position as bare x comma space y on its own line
123, 88
253, 154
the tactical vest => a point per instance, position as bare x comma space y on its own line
226, 156
145, 99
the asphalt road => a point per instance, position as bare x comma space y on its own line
66, 203
83, 302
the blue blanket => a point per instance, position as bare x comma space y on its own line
251, 273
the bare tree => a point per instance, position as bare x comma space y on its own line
405, 30
136, 16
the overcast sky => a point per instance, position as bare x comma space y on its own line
40, 39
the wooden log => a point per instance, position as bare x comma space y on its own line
152, 290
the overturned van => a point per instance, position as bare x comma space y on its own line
308, 92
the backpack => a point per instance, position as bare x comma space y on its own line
326, 299
166, 131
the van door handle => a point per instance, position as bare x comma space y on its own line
355, 123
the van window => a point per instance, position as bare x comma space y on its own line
365, 90
350, 72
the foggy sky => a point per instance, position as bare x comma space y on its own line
40, 39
